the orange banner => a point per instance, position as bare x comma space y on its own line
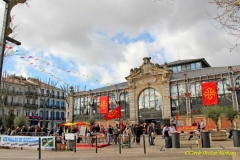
209, 93
103, 107
189, 128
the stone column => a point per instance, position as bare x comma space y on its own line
166, 111
132, 105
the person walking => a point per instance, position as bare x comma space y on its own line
116, 131
128, 131
198, 126
139, 132
109, 134
150, 138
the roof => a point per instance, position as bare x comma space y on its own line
177, 76
203, 72
185, 61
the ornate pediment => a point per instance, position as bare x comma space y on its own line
148, 69
147, 81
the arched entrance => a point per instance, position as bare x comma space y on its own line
150, 108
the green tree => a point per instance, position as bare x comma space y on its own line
20, 121
91, 121
230, 114
10, 119
214, 113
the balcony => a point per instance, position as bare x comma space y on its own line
54, 118
31, 93
28, 105
12, 104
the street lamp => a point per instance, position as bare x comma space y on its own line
232, 87
91, 103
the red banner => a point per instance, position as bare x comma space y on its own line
176, 117
209, 93
116, 113
103, 107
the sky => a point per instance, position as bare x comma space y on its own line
92, 44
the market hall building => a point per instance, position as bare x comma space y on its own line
156, 93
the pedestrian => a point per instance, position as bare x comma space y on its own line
109, 134
198, 126
139, 132
150, 138
202, 125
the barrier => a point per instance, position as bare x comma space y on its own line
28, 142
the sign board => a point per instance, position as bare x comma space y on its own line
27, 141
48, 142
69, 136
83, 131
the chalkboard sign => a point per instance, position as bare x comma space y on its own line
83, 131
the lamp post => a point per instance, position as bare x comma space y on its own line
232, 87
91, 104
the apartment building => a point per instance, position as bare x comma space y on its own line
24, 96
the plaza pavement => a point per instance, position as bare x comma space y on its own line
136, 152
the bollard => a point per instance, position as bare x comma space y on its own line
75, 150
39, 148
144, 146
119, 143
21, 148
96, 143
55, 143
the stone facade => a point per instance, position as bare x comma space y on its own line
149, 75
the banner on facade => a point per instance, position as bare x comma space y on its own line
116, 113
209, 93
27, 141
103, 107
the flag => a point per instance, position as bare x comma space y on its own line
103, 107
176, 117
209, 93
116, 113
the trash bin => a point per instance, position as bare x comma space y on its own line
175, 140
236, 138
205, 139
71, 145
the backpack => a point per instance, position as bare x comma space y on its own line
116, 130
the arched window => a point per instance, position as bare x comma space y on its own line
224, 95
96, 102
237, 81
150, 104
112, 103
124, 103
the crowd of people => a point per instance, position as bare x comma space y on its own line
111, 133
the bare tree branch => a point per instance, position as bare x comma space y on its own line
229, 17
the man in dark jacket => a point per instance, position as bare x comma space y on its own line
139, 132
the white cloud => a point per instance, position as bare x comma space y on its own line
80, 33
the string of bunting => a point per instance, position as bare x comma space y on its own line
23, 56
30, 59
